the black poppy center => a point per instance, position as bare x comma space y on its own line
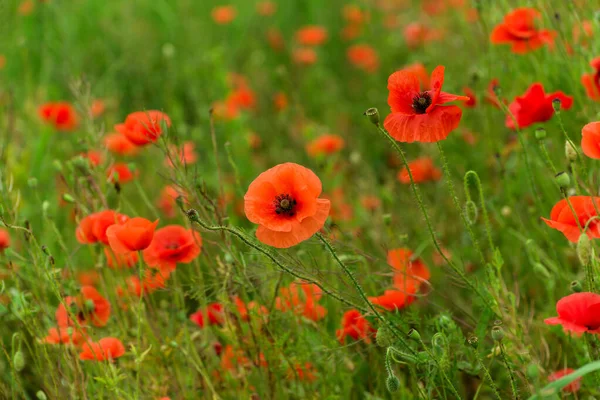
285, 205
421, 102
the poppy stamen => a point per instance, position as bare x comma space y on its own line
285, 204
421, 102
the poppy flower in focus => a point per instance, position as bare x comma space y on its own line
301, 299
356, 326
409, 272
266, 8
422, 170
171, 245
563, 220
519, 30
417, 34
108, 348
133, 235
325, 145
590, 140
121, 173
185, 155
89, 306
64, 335
591, 81
418, 116
304, 56
284, 201
251, 308
578, 313
472, 100
223, 15
125, 260
364, 57
4, 239
535, 106
571, 387
311, 35
92, 229
143, 127
119, 144
61, 115
213, 313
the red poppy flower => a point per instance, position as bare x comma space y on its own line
119, 144
420, 71
370, 202
354, 15
280, 101
167, 201
251, 308
422, 170
356, 326
88, 278
64, 335
304, 372
472, 100
563, 220
171, 245
301, 299
590, 140
518, 29
185, 155
417, 34
591, 81
284, 201
311, 35
490, 95
325, 145
304, 56
578, 313
133, 235
266, 8
409, 272
418, 116
151, 282
120, 172
125, 260
340, 209
94, 157
571, 387
143, 127
89, 306
535, 106
242, 98
61, 115
364, 57
108, 348
223, 15
214, 313
92, 229
97, 108
393, 300
4, 240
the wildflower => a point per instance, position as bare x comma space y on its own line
61, 115
4, 240
304, 372
418, 115
108, 348
172, 244
563, 219
119, 144
266, 8
491, 96
92, 229
167, 201
370, 202
472, 100
518, 29
325, 145
304, 56
354, 15
535, 106
143, 127
364, 57
590, 140
284, 201
280, 101
89, 306
120, 172
88, 278
133, 235
244, 310
184, 155
125, 260
420, 71
340, 209
591, 81
409, 272
97, 108
94, 157
311, 35
301, 299
64, 335
151, 282
355, 325
578, 313
213, 313
571, 387
422, 170
26, 7
275, 39
393, 300
417, 34
223, 15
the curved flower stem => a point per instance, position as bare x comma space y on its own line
434, 239
360, 290
488, 376
486, 218
439, 365
513, 381
194, 217
448, 179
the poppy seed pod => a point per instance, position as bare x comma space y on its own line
373, 115
384, 337
392, 383
570, 151
414, 334
473, 341
556, 104
584, 249
41, 395
540, 133
563, 180
576, 287
19, 361
497, 333
193, 215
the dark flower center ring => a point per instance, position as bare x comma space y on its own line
285, 204
421, 102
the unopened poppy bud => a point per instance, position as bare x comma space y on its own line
373, 115
392, 383
19, 361
384, 337
471, 212
445, 321
89, 305
576, 287
497, 90
556, 103
68, 198
438, 344
57, 165
563, 180
570, 151
533, 371
473, 341
173, 344
193, 215
584, 249
41, 395
540, 133
497, 333
32, 182
414, 335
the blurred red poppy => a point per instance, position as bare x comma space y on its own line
171, 245
591, 81
535, 106
143, 127
61, 115
356, 326
571, 387
133, 235
214, 314
422, 170
518, 29
570, 222
108, 348
89, 306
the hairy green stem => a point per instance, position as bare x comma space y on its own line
488, 376
511, 374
